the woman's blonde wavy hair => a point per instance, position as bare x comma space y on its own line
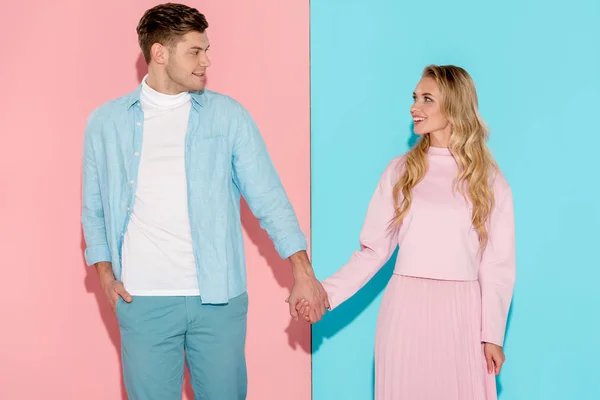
459, 104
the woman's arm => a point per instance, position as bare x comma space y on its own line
377, 242
497, 271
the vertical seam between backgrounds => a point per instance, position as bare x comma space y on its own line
310, 195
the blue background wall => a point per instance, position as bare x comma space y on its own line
537, 71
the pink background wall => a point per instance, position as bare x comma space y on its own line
60, 60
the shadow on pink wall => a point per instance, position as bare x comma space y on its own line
281, 271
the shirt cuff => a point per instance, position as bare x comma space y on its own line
291, 244
487, 336
96, 254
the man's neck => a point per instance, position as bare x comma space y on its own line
162, 83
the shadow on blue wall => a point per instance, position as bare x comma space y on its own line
343, 315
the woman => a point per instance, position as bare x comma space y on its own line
447, 205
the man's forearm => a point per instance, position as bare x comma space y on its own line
301, 266
105, 272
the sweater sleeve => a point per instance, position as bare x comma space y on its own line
497, 271
377, 243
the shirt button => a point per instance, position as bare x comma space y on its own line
131, 182
128, 209
138, 123
136, 154
122, 234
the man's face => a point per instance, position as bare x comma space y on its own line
186, 62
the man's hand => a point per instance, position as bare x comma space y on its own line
112, 288
494, 357
308, 288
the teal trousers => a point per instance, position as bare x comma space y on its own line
159, 334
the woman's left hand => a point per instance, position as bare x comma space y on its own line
494, 357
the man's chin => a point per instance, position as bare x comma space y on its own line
195, 88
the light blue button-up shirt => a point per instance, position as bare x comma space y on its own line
225, 157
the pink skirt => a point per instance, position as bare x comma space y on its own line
428, 342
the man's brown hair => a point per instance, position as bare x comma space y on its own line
165, 23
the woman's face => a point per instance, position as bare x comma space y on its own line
426, 110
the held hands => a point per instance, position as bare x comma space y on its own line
302, 309
494, 357
308, 300
306, 288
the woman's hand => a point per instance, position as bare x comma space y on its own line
494, 357
303, 309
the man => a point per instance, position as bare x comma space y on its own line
163, 171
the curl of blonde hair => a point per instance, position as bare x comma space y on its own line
459, 104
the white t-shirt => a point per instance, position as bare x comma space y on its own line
158, 258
